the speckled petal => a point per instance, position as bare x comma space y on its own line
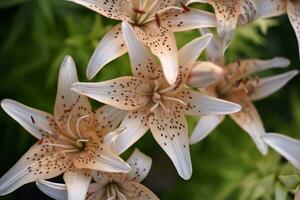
191, 51
227, 13
36, 163
249, 11
69, 105
271, 8
143, 63
200, 104
114, 9
171, 132
101, 159
162, 43
56, 191
108, 119
286, 146
249, 120
205, 126
100, 194
204, 74
135, 125
126, 93
140, 165
178, 19
77, 182
110, 47
136, 191
34, 121
270, 85
293, 10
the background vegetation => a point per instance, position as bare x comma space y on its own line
35, 36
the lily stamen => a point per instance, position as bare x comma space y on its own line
78, 125
64, 146
69, 128
174, 99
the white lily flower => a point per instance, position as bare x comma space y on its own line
286, 146
69, 140
111, 185
233, 13
153, 103
241, 85
153, 21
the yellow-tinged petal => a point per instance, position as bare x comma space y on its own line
249, 119
162, 43
127, 93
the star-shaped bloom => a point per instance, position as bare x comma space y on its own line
153, 21
240, 84
111, 185
69, 140
286, 146
153, 103
232, 13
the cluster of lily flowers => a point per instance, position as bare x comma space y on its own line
85, 144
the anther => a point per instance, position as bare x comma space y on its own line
185, 8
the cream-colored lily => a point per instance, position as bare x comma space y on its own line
154, 21
111, 185
153, 103
240, 84
69, 140
232, 13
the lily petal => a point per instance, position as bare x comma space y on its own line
136, 191
286, 146
270, 85
162, 43
77, 182
35, 164
248, 11
34, 121
191, 51
293, 10
126, 93
227, 13
252, 66
56, 191
271, 8
178, 19
114, 9
204, 74
170, 131
204, 127
108, 119
110, 47
135, 125
142, 61
140, 165
249, 120
199, 104
69, 105
102, 160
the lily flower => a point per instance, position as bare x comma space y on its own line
233, 13
69, 140
153, 21
111, 185
286, 146
153, 103
240, 84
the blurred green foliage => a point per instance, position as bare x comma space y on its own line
35, 36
